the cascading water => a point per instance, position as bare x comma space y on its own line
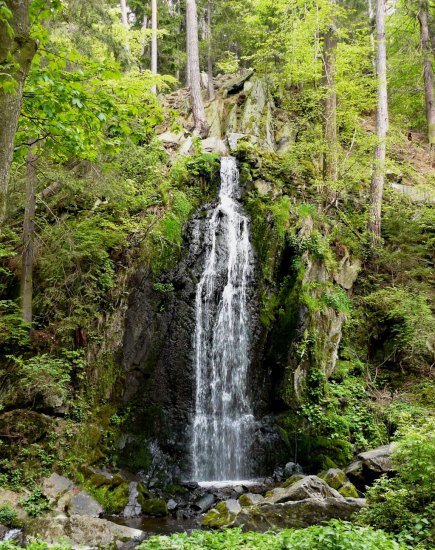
223, 422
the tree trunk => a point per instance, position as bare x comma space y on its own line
330, 157
28, 238
428, 72
377, 184
21, 48
193, 67
209, 54
372, 35
124, 18
154, 41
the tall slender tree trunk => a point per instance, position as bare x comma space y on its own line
193, 66
372, 35
209, 53
330, 157
154, 41
428, 71
17, 50
382, 123
28, 238
124, 19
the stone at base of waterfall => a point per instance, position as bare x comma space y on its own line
297, 514
307, 487
81, 532
250, 499
214, 145
223, 515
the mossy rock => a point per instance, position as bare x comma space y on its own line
112, 500
348, 490
98, 480
154, 507
334, 477
291, 480
143, 494
175, 489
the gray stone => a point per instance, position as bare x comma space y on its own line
292, 468
214, 145
334, 477
233, 506
250, 499
82, 504
204, 503
307, 487
378, 460
133, 508
79, 531
55, 486
236, 84
233, 139
172, 505
171, 139
297, 514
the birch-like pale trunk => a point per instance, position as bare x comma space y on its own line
209, 53
382, 123
428, 71
154, 50
193, 66
330, 157
26, 290
21, 47
124, 19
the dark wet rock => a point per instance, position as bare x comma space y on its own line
172, 505
204, 503
154, 507
369, 466
292, 468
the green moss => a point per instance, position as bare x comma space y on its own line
348, 490
113, 500
154, 507
334, 477
292, 480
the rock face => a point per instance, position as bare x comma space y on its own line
81, 531
307, 487
82, 504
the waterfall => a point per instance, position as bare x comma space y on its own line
223, 421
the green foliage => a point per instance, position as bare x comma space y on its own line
404, 504
335, 536
36, 503
7, 515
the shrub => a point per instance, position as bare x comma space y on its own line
7, 515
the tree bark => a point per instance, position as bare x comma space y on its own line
428, 71
28, 238
154, 41
124, 19
209, 53
330, 157
21, 47
382, 123
193, 66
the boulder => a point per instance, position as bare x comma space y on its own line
297, 514
250, 499
378, 460
55, 486
82, 504
79, 531
334, 477
133, 508
348, 490
223, 515
292, 468
214, 145
236, 84
307, 487
204, 502
154, 507
13, 499
171, 139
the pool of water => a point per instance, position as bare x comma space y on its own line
159, 526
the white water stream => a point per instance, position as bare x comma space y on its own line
223, 422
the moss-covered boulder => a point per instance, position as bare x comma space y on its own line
348, 490
250, 499
293, 479
154, 507
223, 515
334, 477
